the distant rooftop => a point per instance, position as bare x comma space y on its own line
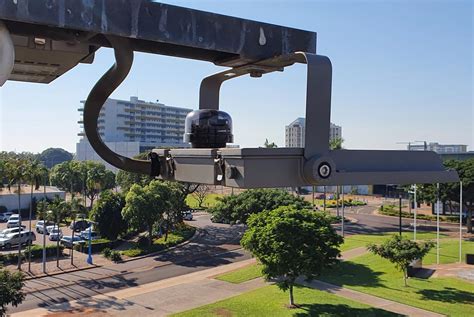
26, 189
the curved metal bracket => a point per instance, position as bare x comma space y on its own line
96, 99
318, 94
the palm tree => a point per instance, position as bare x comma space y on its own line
75, 207
59, 209
41, 213
15, 173
35, 172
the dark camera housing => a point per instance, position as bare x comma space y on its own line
208, 128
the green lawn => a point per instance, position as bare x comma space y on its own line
175, 237
449, 252
361, 240
246, 273
270, 301
209, 201
374, 275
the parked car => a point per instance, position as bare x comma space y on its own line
79, 225
55, 234
23, 237
8, 231
187, 215
13, 221
68, 242
85, 234
50, 228
41, 224
4, 216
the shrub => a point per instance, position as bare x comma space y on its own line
3, 209
115, 256
106, 252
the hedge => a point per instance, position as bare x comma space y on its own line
392, 210
36, 253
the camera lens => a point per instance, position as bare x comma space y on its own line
208, 128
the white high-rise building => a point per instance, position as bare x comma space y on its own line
295, 131
135, 126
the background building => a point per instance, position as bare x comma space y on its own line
294, 133
438, 148
135, 126
9, 198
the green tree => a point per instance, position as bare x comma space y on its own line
290, 243
401, 251
59, 209
35, 173
336, 143
11, 284
68, 176
237, 208
53, 156
267, 144
126, 179
98, 179
107, 213
145, 206
16, 174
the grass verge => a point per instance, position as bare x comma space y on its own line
374, 275
209, 201
177, 236
270, 301
361, 240
241, 275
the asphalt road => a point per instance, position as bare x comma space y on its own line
215, 245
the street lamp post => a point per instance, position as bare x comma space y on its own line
400, 214
89, 256
416, 207
324, 202
342, 221
44, 227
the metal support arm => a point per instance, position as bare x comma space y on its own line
96, 99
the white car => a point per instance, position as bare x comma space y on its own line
40, 226
24, 237
13, 221
4, 216
51, 228
5, 232
55, 234
85, 234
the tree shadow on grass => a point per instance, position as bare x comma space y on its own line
342, 310
448, 295
351, 274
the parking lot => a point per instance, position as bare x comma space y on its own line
39, 237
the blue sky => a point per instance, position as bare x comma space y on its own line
402, 71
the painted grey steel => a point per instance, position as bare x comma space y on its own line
250, 48
157, 28
96, 99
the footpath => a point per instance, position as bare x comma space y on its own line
196, 289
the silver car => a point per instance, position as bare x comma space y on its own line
55, 234
24, 237
4, 216
13, 221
